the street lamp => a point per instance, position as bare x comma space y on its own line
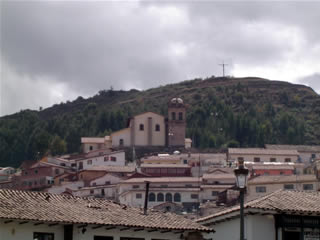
241, 174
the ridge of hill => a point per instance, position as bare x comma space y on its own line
221, 112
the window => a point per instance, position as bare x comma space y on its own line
288, 187
141, 127
102, 192
107, 183
121, 142
135, 186
106, 158
36, 171
177, 197
256, 159
152, 197
168, 197
214, 193
25, 173
164, 186
160, 197
180, 116
89, 162
43, 236
273, 159
113, 159
94, 184
194, 196
185, 161
173, 116
261, 189
91, 191
157, 128
313, 155
307, 186
90, 148
138, 196
287, 159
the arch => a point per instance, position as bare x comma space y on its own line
141, 127
177, 197
168, 197
160, 197
157, 128
152, 197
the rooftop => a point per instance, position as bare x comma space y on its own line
279, 202
120, 169
146, 165
66, 209
92, 140
164, 180
262, 151
299, 148
283, 179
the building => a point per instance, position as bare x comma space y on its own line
262, 155
148, 129
307, 153
282, 215
39, 215
263, 185
184, 191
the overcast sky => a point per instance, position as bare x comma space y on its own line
55, 51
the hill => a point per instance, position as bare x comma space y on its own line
220, 112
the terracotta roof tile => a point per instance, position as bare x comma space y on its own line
46, 207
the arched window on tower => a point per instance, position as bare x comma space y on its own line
168, 197
152, 197
141, 127
173, 116
177, 197
160, 197
157, 128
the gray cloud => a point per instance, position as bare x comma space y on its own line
65, 49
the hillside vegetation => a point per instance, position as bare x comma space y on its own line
237, 112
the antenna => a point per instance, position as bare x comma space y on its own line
223, 65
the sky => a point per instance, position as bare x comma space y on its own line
55, 51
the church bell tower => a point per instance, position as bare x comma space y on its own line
176, 126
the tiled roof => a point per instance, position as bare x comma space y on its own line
146, 165
262, 151
299, 148
92, 140
164, 180
219, 176
273, 167
120, 169
282, 201
45, 207
283, 179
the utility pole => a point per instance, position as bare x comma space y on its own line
223, 65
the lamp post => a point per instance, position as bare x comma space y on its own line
241, 174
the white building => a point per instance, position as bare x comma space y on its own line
262, 155
282, 215
39, 215
263, 185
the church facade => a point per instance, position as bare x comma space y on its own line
147, 129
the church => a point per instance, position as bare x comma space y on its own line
147, 129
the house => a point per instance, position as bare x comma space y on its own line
39, 215
148, 129
38, 176
281, 215
263, 185
307, 153
272, 169
114, 158
184, 191
262, 155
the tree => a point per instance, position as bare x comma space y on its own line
58, 146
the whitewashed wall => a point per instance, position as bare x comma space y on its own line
99, 160
263, 158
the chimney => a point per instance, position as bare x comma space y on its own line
145, 208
